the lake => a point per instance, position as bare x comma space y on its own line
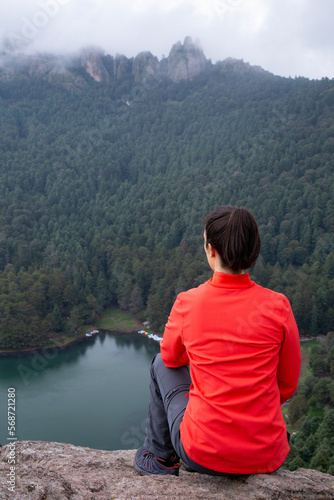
92, 393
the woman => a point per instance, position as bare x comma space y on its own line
241, 343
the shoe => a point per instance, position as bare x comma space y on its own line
147, 463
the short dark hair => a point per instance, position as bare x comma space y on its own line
234, 234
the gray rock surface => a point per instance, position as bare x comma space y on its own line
56, 471
92, 62
122, 66
185, 61
144, 65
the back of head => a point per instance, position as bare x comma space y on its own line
234, 234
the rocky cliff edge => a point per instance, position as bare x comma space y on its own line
45, 470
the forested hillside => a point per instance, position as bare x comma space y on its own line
311, 411
104, 186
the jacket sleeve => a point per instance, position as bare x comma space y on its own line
290, 358
173, 351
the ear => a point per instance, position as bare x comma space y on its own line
212, 251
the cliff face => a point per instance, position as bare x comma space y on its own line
184, 62
50, 68
144, 65
91, 60
122, 66
50, 471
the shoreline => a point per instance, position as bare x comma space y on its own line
120, 325
61, 343
57, 343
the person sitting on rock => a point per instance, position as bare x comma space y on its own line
229, 358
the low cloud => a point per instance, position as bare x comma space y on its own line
286, 37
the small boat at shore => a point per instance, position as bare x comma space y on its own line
90, 334
155, 337
150, 335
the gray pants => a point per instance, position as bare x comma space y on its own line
168, 387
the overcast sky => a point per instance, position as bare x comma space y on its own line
285, 37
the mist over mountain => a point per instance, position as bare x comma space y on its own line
185, 61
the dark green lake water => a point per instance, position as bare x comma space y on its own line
93, 393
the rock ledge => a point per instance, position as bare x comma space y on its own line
52, 471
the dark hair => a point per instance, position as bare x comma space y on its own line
233, 233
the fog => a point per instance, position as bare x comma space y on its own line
286, 37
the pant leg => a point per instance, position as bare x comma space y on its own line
168, 388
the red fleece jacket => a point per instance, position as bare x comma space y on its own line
242, 344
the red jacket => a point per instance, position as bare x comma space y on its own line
242, 344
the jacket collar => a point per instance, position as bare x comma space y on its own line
223, 280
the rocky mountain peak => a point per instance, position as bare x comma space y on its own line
91, 60
186, 61
145, 64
